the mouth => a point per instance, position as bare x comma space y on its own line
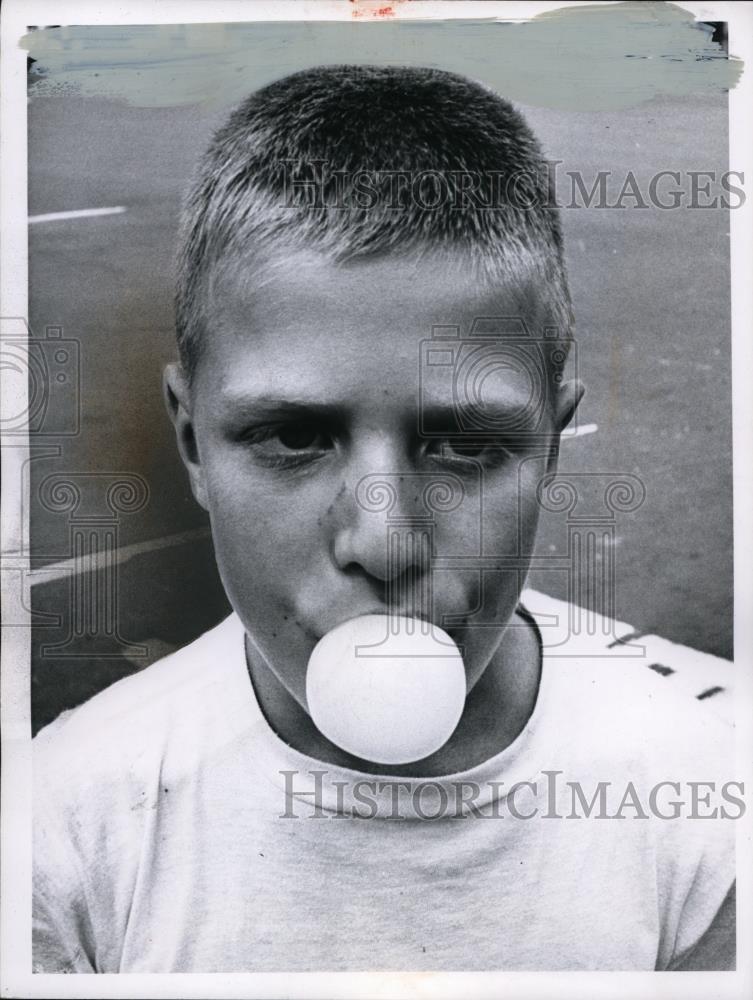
317, 634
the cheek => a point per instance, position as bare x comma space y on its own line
510, 509
257, 508
499, 520
267, 535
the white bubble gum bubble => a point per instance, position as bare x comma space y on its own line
387, 689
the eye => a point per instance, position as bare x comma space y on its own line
470, 450
287, 445
300, 436
458, 452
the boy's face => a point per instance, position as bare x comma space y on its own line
309, 384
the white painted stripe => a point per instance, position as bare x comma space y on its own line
79, 213
89, 564
580, 430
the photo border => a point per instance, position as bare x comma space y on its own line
15, 803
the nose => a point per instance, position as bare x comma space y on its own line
382, 535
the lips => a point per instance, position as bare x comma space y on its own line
317, 633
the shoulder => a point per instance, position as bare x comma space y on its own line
133, 720
658, 706
653, 721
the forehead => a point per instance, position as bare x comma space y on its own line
306, 323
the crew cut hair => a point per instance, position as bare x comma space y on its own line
362, 161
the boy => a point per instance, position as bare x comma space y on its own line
193, 818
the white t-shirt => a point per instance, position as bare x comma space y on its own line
175, 832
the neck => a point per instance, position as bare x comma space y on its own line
496, 710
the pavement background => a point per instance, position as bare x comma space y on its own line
651, 293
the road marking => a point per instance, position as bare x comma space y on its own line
79, 213
91, 563
580, 431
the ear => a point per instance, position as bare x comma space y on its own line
177, 395
566, 402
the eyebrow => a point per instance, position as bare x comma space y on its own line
248, 405
435, 417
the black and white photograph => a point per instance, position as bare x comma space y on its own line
376, 522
